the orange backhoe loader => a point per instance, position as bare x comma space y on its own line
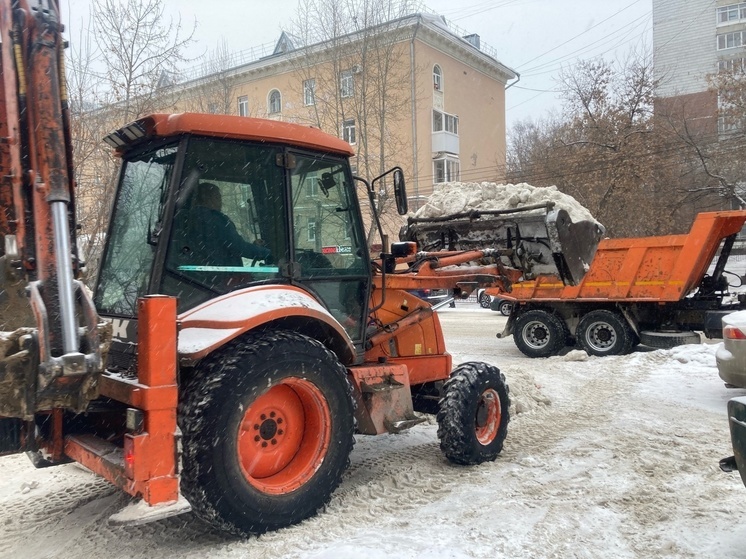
240, 333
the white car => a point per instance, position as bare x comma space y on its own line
731, 352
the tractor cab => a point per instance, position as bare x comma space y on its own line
207, 205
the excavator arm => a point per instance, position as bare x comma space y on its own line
51, 339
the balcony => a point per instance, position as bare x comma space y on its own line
445, 142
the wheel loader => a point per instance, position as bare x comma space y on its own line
240, 333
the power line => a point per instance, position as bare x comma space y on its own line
611, 38
580, 34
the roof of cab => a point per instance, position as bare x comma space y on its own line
229, 127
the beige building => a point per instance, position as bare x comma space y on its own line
410, 92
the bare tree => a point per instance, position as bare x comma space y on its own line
139, 47
604, 150
113, 77
215, 93
94, 165
356, 84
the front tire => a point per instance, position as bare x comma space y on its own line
473, 415
539, 333
268, 428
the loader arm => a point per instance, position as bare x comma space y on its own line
459, 270
55, 363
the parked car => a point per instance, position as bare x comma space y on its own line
731, 352
494, 302
737, 422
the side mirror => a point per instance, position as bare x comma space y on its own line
400, 192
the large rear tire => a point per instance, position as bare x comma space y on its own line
539, 333
473, 415
268, 428
603, 332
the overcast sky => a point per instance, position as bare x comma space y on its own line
534, 37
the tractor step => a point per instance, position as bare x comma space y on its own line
139, 512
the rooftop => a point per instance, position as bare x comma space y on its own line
288, 42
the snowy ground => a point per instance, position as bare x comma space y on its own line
610, 457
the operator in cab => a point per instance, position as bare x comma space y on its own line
215, 237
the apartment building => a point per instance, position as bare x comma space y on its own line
692, 40
413, 92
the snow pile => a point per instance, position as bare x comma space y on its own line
457, 197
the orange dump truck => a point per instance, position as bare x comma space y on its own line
652, 290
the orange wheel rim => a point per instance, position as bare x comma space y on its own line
488, 417
284, 436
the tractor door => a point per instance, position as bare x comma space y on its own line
329, 253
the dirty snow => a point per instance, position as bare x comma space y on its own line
605, 457
456, 197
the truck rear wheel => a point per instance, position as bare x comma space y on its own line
539, 333
603, 332
268, 428
473, 415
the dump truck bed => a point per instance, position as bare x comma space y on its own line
664, 268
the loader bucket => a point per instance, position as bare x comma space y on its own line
534, 239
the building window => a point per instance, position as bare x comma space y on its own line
444, 121
730, 40
732, 64
348, 131
243, 106
445, 169
732, 13
312, 186
437, 78
346, 84
311, 230
275, 102
309, 92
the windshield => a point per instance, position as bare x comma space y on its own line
134, 232
229, 221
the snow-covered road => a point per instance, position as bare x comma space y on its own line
606, 457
